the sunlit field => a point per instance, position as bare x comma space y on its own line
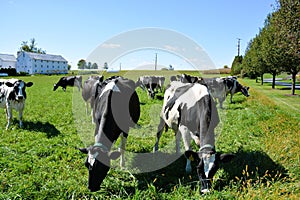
39, 161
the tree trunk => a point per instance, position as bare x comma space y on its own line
273, 81
262, 79
293, 83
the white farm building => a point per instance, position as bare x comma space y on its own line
34, 63
7, 61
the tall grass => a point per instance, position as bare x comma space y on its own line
40, 161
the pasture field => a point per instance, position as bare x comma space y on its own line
40, 161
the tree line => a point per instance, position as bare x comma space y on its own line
276, 48
82, 64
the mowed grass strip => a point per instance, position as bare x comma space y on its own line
40, 161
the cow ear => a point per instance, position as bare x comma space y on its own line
101, 78
29, 84
9, 84
191, 155
248, 88
114, 155
83, 150
226, 157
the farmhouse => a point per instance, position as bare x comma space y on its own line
34, 63
7, 61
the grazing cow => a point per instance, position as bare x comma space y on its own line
151, 83
191, 112
69, 81
221, 87
88, 90
13, 96
233, 86
116, 109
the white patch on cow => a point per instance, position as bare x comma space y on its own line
173, 116
193, 95
209, 160
92, 158
20, 92
110, 86
188, 99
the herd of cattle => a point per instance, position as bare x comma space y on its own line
189, 109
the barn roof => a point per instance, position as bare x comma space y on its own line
7, 57
48, 57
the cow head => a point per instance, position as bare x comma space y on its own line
208, 164
98, 164
55, 86
245, 91
19, 87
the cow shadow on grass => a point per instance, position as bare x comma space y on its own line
45, 127
250, 167
254, 165
163, 170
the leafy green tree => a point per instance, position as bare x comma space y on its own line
271, 54
105, 65
31, 47
81, 64
236, 66
287, 23
253, 64
94, 66
89, 65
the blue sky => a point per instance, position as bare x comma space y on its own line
75, 28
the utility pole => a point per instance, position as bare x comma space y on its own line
239, 42
155, 66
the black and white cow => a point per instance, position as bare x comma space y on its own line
221, 87
151, 83
69, 81
191, 112
89, 87
13, 96
233, 86
116, 109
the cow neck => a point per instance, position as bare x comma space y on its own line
207, 146
101, 140
102, 146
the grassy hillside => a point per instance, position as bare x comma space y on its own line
40, 161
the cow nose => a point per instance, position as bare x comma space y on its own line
205, 191
20, 97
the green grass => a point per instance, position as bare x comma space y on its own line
40, 161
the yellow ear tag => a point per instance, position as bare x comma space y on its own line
191, 158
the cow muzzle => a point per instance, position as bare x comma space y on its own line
205, 185
20, 97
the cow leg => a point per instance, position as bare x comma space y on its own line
8, 116
77, 84
21, 118
231, 97
187, 136
122, 149
159, 133
64, 89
